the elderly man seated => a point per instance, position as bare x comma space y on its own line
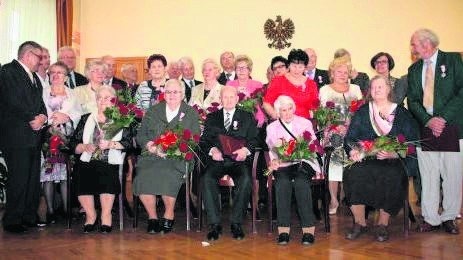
240, 126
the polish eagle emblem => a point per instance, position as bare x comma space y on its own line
279, 32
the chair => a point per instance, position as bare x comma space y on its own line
188, 176
69, 167
317, 181
227, 181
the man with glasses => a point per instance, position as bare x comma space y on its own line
311, 71
23, 115
227, 60
67, 55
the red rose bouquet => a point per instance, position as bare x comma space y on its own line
369, 148
52, 150
178, 143
203, 112
119, 116
327, 115
253, 104
303, 148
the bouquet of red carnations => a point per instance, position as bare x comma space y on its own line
369, 148
52, 150
178, 143
296, 150
203, 112
119, 116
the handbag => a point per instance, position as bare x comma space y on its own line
302, 167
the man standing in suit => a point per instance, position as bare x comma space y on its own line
435, 98
319, 76
22, 114
110, 79
227, 60
129, 76
188, 76
67, 55
237, 124
43, 68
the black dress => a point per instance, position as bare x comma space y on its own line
97, 176
381, 184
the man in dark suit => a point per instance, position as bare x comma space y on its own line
237, 124
435, 98
22, 114
227, 60
110, 79
319, 76
129, 76
188, 76
360, 79
67, 55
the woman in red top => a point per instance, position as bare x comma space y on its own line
295, 85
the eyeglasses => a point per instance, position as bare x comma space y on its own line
242, 68
107, 98
381, 62
175, 92
36, 55
56, 72
279, 67
97, 71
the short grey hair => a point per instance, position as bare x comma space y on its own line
27, 46
108, 88
92, 64
283, 100
341, 52
66, 48
184, 60
425, 34
177, 82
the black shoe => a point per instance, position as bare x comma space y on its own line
356, 231
307, 239
41, 223
283, 239
237, 231
15, 228
215, 230
51, 218
450, 227
88, 228
105, 229
29, 224
381, 233
154, 226
166, 225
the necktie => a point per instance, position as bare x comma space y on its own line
192, 83
71, 81
228, 75
428, 95
227, 121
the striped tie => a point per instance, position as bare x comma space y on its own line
227, 121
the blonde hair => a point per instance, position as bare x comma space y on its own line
244, 58
91, 64
210, 61
283, 100
177, 82
338, 62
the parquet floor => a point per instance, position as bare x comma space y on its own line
57, 242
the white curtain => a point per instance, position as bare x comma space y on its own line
26, 20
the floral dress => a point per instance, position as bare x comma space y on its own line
54, 164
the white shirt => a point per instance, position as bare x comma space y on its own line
171, 114
232, 75
45, 82
231, 112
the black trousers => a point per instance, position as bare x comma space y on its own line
23, 185
287, 179
241, 174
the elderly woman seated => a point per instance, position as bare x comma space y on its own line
380, 182
97, 167
156, 174
287, 176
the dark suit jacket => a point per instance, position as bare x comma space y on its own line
20, 102
188, 88
362, 80
80, 79
119, 82
246, 128
448, 90
223, 79
321, 77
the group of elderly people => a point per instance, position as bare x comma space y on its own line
290, 99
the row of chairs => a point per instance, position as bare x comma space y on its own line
319, 183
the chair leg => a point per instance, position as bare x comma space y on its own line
200, 210
136, 201
325, 202
68, 197
270, 203
254, 206
406, 220
187, 197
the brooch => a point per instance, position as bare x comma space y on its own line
443, 70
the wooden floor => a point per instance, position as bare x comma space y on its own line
57, 242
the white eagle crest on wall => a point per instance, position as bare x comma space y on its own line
279, 32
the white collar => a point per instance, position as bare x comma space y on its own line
29, 72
